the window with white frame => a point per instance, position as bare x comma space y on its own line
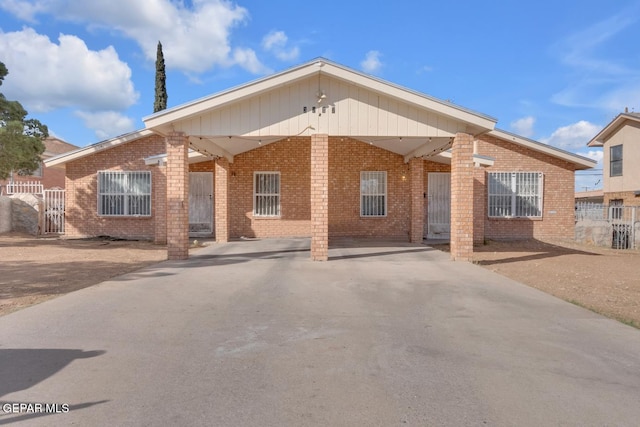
373, 194
615, 162
266, 194
515, 194
124, 193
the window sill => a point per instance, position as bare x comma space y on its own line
515, 218
125, 216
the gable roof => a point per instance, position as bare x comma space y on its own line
612, 127
55, 146
63, 158
317, 67
161, 122
579, 161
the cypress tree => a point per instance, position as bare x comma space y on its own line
160, 102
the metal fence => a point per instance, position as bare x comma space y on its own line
53, 211
620, 220
26, 187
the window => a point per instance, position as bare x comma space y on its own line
266, 194
515, 194
615, 162
615, 208
373, 194
124, 193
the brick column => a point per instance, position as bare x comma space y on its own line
417, 200
462, 197
221, 183
159, 179
177, 196
479, 205
319, 197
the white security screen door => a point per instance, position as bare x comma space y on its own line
439, 205
200, 203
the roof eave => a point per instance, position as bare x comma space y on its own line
612, 127
480, 122
61, 159
580, 162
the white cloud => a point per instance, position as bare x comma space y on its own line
371, 63
24, 10
596, 155
524, 126
248, 60
195, 37
44, 75
574, 136
276, 42
107, 124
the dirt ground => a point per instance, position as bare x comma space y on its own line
33, 269
607, 281
604, 280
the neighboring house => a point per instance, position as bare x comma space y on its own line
591, 196
620, 142
48, 177
324, 151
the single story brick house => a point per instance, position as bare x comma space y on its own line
322, 151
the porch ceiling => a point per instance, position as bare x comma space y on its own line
230, 146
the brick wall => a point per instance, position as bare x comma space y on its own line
177, 170
82, 218
462, 215
320, 197
292, 158
629, 198
347, 158
558, 204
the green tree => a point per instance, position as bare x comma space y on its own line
160, 102
20, 138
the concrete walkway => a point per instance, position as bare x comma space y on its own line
253, 333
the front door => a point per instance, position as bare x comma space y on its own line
438, 205
200, 203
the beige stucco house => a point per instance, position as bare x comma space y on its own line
620, 141
322, 151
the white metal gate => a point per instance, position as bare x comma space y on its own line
53, 212
200, 203
438, 221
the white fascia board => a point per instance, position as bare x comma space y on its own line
579, 161
327, 68
161, 159
477, 159
599, 139
61, 159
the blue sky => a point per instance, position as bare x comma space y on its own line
553, 71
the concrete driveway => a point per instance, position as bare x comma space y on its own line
253, 333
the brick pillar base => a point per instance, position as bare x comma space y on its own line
417, 200
177, 196
319, 197
479, 205
462, 197
222, 200
159, 179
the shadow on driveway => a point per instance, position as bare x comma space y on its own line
23, 368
